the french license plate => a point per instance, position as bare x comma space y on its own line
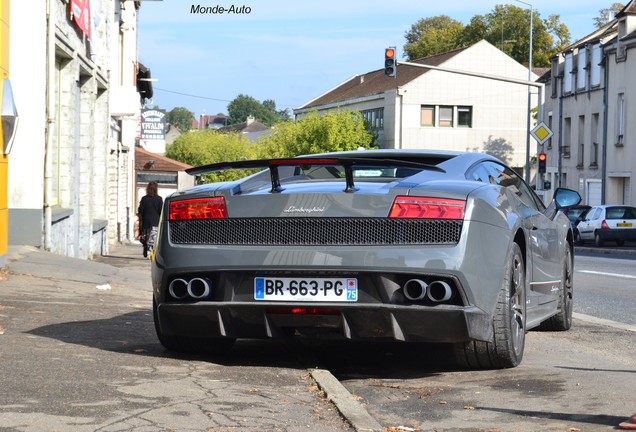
306, 290
624, 224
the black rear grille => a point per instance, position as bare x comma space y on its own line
315, 231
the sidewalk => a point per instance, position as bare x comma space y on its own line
124, 265
79, 341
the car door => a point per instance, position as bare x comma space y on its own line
544, 266
587, 226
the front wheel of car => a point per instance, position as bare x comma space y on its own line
509, 323
190, 344
562, 321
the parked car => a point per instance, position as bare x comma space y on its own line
608, 222
387, 245
576, 214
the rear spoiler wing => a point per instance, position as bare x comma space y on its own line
273, 164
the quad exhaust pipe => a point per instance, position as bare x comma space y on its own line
437, 291
415, 289
196, 288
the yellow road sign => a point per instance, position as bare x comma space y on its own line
541, 133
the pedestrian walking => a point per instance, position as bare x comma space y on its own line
149, 213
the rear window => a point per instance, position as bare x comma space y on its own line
370, 171
620, 213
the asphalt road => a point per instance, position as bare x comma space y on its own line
78, 352
605, 287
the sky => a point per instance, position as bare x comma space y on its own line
292, 51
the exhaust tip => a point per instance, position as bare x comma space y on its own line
178, 289
199, 288
415, 289
439, 291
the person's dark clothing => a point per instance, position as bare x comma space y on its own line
149, 211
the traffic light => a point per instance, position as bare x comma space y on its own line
390, 64
541, 159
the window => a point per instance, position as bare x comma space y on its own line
464, 116
445, 116
620, 137
567, 136
427, 116
581, 69
161, 178
595, 139
595, 77
567, 76
494, 173
374, 118
581, 154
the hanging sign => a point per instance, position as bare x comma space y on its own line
81, 13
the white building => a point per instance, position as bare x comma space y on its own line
425, 108
590, 93
71, 170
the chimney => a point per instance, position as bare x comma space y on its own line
250, 120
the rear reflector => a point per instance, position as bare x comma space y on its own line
199, 208
303, 311
406, 207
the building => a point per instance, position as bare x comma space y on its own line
169, 174
426, 108
71, 170
590, 92
251, 129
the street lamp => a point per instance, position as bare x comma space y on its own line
527, 170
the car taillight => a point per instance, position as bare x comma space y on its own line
198, 208
604, 225
427, 208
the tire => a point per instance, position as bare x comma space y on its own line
577, 238
191, 345
509, 323
598, 241
562, 321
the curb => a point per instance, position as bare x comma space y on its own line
604, 322
604, 251
350, 409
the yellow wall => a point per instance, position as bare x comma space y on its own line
4, 159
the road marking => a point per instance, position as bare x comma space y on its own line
607, 274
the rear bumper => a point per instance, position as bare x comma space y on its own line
441, 324
617, 234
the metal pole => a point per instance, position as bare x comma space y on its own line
527, 170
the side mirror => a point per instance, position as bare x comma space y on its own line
566, 198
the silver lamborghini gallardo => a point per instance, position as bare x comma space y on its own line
413, 246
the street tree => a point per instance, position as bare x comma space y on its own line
244, 106
202, 147
607, 14
430, 36
506, 27
180, 117
333, 131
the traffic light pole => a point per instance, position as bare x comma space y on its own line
496, 78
